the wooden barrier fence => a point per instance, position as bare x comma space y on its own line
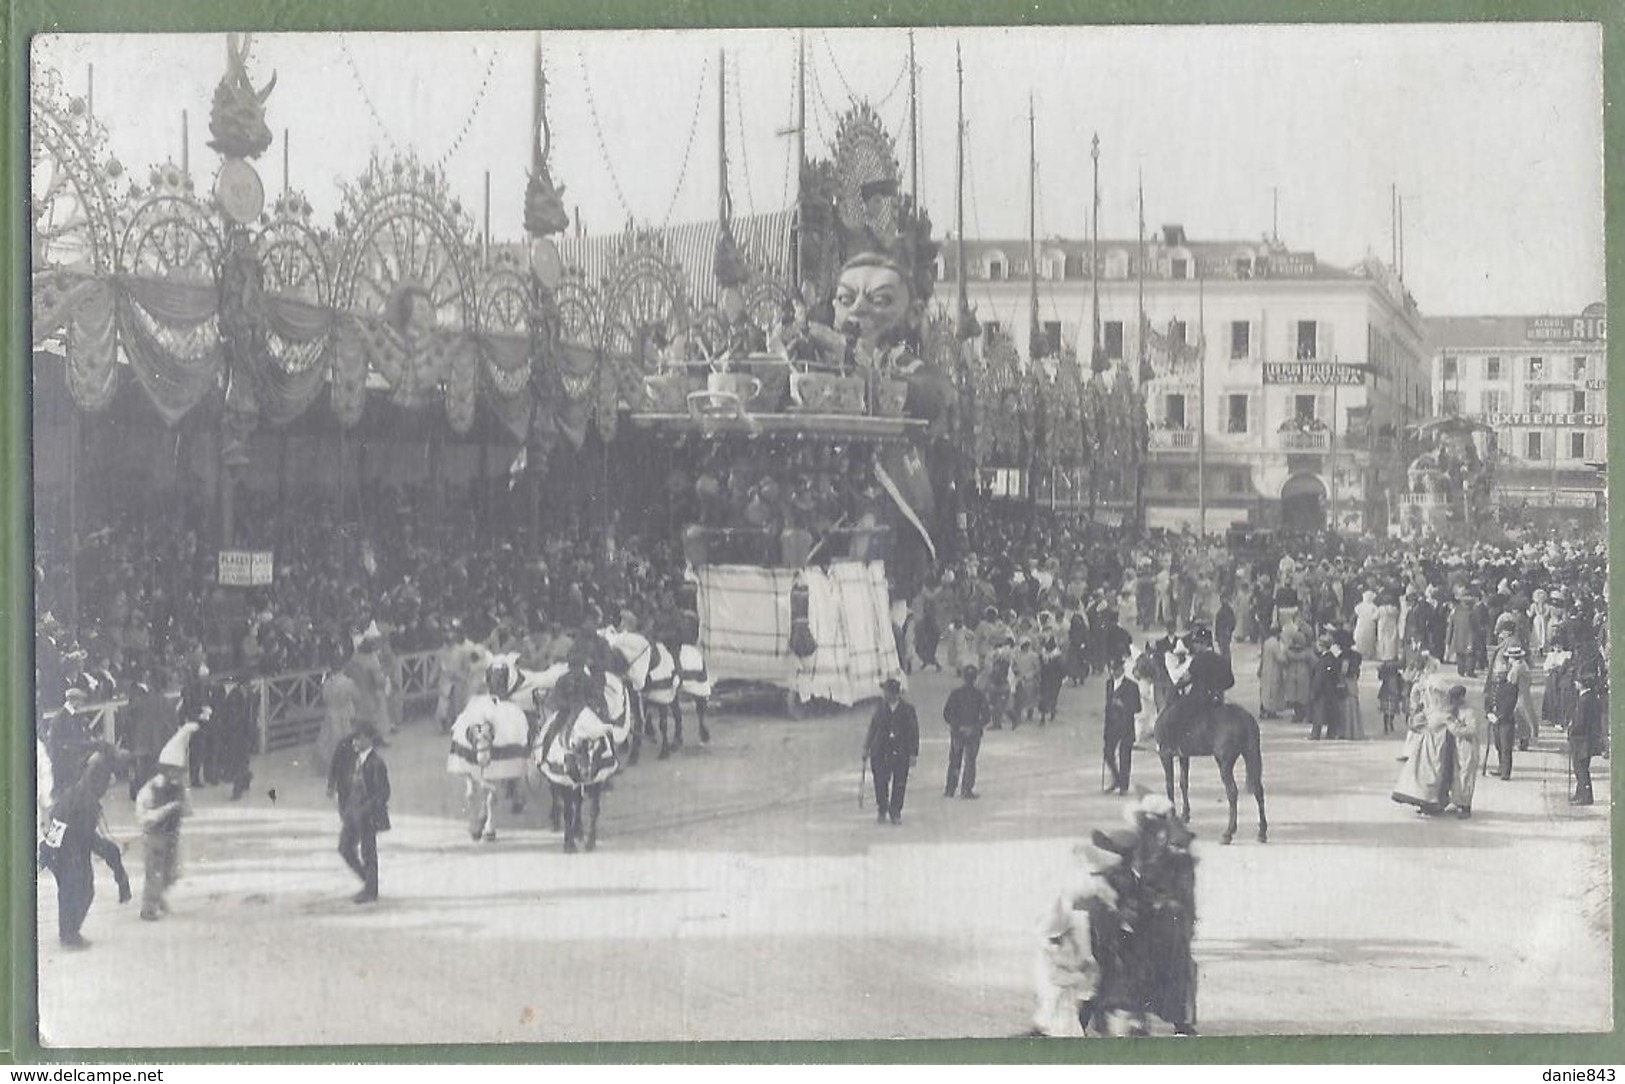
288, 708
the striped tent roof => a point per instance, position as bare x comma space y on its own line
764, 241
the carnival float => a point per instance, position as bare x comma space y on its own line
775, 387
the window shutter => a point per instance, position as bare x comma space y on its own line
1255, 412
1325, 349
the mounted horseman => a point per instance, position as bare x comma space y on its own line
1199, 676
1198, 722
576, 754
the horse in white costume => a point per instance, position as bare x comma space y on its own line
490, 742
576, 754
659, 678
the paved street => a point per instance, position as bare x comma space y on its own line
740, 893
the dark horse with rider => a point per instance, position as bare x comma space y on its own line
1198, 721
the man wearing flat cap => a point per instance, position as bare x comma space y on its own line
892, 746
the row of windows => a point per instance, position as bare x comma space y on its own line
1307, 339
1536, 447
1232, 481
1537, 368
1237, 411
1116, 264
1536, 401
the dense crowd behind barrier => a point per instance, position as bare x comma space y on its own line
426, 574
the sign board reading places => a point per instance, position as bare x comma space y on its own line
245, 568
1322, 374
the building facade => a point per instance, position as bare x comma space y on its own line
1277, 384
1540, 383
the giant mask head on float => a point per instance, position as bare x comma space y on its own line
874, 303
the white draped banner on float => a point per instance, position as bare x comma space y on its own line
745, 628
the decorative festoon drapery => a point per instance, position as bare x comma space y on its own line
394, 298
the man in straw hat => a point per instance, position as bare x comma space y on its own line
159, 806
1501, 703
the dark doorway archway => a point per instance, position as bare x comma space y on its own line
1303, 503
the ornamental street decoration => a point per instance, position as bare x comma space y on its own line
237, 116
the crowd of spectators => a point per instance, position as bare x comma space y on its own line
418, 567
424, 569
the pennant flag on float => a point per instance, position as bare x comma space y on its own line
517, 467
902, 474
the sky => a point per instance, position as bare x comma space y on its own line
1492, 133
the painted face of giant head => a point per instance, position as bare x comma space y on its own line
877, 299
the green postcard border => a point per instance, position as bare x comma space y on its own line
24, 18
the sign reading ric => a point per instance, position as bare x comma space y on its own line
1323, 374
1590, 326
245, 568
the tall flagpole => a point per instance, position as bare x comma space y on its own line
1033, 346
1201, 405
913, 126
722, 137
1094, 259
1094, 319
967, 391
959, 196
801, 159
1141, 359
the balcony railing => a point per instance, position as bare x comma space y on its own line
1423, 500
1173, 438
1305, 442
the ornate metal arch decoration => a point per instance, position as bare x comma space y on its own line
403, 234
580, 312
168, 232
296, 262
504, 295
646, 300
72, 208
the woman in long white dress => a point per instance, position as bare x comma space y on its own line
1387, 630
1425, 777
1365, 625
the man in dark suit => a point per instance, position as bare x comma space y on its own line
1326, 688
1224, 627
234, 722
892, 746
1587, 732
359, 779
967, 715
1122, 705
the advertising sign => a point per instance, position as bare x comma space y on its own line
1591, 326
245, 568
1320, 374
1548, 421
